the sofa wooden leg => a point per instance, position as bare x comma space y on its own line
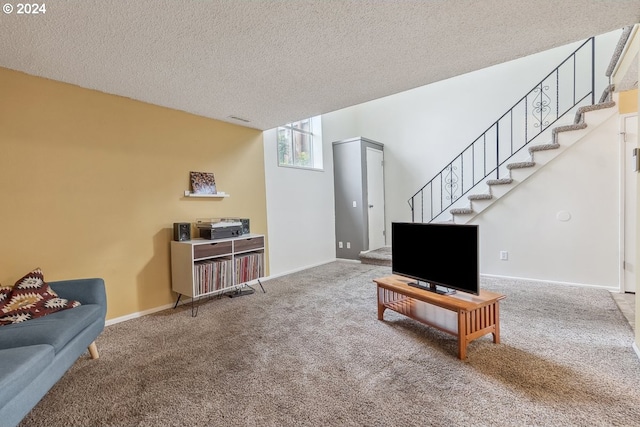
93, 350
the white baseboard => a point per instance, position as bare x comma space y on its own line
183, 300
284, 273
555, 282
136, 315
186, 299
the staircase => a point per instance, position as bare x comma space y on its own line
585, 120
521, 141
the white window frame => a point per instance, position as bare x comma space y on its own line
314, 141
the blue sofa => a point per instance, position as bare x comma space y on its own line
36, 353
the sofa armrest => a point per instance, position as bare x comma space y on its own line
87, 291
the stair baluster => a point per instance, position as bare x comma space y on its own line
522, 124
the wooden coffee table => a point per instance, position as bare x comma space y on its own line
464, 315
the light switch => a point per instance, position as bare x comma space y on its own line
355, 205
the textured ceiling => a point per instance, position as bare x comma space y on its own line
272, 62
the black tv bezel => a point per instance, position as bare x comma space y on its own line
432, 288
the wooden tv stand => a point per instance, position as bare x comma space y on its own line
464, 315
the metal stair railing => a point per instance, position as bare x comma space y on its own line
569, 85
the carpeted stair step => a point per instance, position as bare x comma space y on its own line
543, 147
567, 128
578, 124
461, 211
601, 106
606, 94
381, 256
501, 181
480, 197
521, 165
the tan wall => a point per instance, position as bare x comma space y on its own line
628, 102
91, 183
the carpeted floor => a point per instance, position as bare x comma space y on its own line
311, 352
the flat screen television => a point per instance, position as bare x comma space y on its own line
437, 256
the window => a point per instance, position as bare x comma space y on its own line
300, 144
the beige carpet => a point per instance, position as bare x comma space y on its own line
311, 352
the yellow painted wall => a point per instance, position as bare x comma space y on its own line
628, 102
90, 185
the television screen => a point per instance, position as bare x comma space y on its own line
444, 255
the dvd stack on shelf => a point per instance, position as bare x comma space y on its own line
249, 267
212, 275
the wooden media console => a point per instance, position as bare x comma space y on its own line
464, 315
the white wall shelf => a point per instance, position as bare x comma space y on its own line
188, 193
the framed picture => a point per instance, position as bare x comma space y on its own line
203, 183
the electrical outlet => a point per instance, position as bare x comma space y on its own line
340, 245
504, 255
348, 245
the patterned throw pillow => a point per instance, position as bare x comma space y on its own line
4, 294
31, 297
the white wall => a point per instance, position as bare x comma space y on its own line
340, 125
300, 212
583, 181
425, 128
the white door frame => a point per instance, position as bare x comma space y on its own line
382, 210
623, 188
